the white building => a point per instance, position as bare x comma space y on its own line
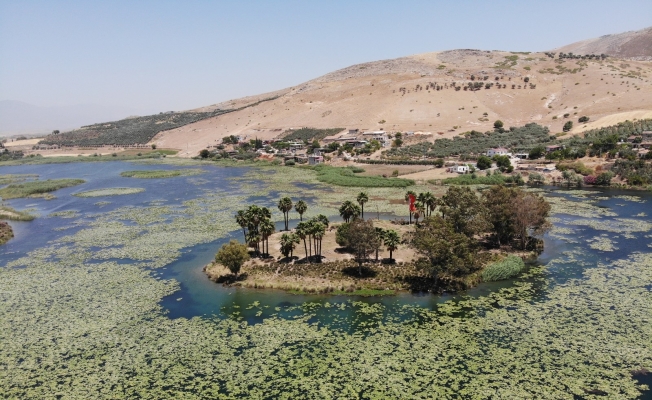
460, 169
499, 151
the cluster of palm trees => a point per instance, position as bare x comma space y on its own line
257, 227
349, 210
285, 206
311, 233
424, 205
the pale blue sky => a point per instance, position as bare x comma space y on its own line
170, 55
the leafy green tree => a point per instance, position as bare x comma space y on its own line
484, 162
342, 235
498, 201
464, 211
568, 126
391, 241
204, 153
362, 199
530, 216
498, 124
447, 252
285, 205
537, 152
604, 178
503, 163
363, 240
301, 207
232, 255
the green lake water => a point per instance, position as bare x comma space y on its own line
104, 297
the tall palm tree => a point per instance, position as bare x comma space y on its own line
285, 205
323, 219
362, 198
431, 203
407, 198
302, 233
301, 207
267, 228
241, 219
392, 241
317, 231
420, 210
380, 233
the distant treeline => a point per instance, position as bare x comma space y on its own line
474, 142
131, 131
437, 163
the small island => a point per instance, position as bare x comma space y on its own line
448, 244
6, 233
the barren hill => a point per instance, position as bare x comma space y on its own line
426, 92
445, 93
632, 45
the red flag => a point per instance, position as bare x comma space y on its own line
412, 200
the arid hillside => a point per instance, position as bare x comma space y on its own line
430, 93
633, 45
445, 93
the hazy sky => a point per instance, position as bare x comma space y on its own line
170, 55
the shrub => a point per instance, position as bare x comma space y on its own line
484, 162
290, 163
590, 180
568, 126
498, 124
583, 119
604, 178
204, 153
505, 269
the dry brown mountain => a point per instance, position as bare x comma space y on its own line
431, 93
633, 45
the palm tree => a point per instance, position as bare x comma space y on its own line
419, 210
407, 198
392, 241
431, 203
302, 233
362, 198
301, 207
380, 233
267, 228
285, 205
349, 210
287, 241
323, 219
317, 230
241, 219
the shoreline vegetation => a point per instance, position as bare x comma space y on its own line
37, 188
118, 191
6, 233
9, 213
462, 239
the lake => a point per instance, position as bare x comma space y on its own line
107, 295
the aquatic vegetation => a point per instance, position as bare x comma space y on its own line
347, 177
64, 214
27, 189
102, 203
602, 243
507, 268
630, 198
75, 325
9, 213
161, 173
13, 178
109, 192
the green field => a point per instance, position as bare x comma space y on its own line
347, 177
